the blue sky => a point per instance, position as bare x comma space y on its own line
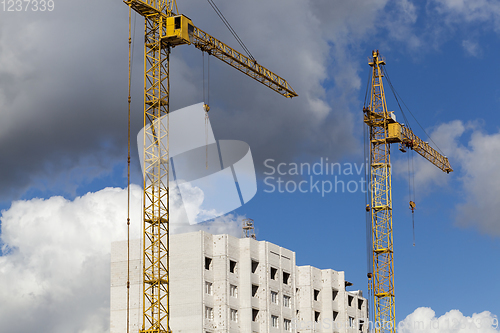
63, 88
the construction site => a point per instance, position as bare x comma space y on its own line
297, 230
199, 295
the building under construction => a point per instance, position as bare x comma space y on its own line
220, 283
158, 285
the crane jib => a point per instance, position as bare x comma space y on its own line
179, 30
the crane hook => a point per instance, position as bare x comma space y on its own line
412, 206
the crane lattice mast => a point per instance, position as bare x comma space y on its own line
384, 130
165, 29
377, 118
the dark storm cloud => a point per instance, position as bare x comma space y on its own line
62, 93
63, 86
63, 120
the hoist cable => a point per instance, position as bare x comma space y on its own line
406, 120
129, 100
413, 222
411, 194
411, 169
367, 88
203, 60
132, 59
230, 28
367, 204
409, 178
206, 103
414, 195
413, 177
368, 220
407, 123
208, 80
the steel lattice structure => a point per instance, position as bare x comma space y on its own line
377, 119
165, 29
156, 191
384, 130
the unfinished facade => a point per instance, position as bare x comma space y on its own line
220, 283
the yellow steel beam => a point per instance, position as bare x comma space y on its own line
414, 142
153, 7
164, 29
377, 118
156, 169
205, 42
385, 130
250, 67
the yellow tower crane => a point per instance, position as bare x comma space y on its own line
165, 29
384, 130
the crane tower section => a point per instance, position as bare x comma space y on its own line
165, 29
384, 130
378, 119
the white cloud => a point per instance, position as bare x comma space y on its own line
475, 165
424, 320
480, 162
472, 48
427, 174
483, 11
400, 23
55, 266
187, 209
